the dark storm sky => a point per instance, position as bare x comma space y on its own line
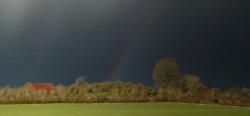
57, 40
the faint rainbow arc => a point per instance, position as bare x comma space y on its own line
120, 62
122, 59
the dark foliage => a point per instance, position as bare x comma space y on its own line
185, 88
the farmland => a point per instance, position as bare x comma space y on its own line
122, 109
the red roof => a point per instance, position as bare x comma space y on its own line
43, 86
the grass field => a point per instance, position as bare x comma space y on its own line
124, 109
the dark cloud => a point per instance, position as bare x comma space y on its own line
60, 39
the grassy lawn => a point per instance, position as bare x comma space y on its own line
123, 109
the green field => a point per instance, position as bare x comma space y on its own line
123, 109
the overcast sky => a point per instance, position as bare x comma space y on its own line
110, 40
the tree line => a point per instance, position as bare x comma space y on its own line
170, 86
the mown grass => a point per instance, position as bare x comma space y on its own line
122, 109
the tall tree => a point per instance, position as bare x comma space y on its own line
166, 73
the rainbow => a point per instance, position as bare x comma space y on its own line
123, 58
116, 69
120, 62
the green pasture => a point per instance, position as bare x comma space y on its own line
122, 109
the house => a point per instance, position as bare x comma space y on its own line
45, 87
